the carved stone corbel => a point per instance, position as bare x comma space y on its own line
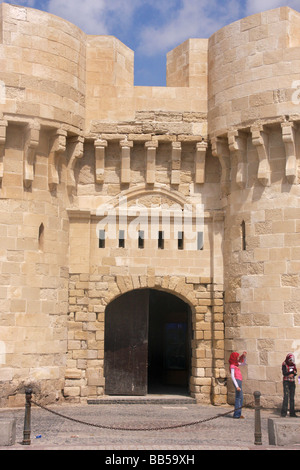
260, 140
3, 125
57, 147
100, 146
288, 137
151, 147
201, 149
238, 147
32, 137
220, 149
76, 151
176, 162
125, 160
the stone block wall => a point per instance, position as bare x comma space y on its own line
43, 66
223, 135
33, 277
187, 64
252, 66
89, 296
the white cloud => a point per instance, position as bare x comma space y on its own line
193, 19
256, 6
95, 17
89, 15
154, 27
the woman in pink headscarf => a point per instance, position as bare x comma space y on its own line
289, 372
235, 361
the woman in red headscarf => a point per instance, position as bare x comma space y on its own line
289, 372
235, 361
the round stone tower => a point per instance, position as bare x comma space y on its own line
253, 119
41, 122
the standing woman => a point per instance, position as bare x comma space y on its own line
235, 361
289, 372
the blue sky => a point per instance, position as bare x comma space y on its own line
151, 28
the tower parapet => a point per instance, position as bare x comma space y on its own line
254, 126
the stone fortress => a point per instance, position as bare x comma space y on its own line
77, 139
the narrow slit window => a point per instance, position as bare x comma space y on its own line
121, 239
243, 227
180, 240
161, 240
200, 242
141, 239
41, 237
102, 239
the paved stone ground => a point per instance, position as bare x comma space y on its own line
52, 432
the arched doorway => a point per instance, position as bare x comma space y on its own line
147, 344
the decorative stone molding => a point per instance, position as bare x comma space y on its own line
125, 160
288, 137
151, 147
32, 136
201, 149
238, 146
260, 140
176, 162
100, 146
76, 151
220, 149
57, 146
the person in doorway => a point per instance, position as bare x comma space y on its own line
289, 372
235, 361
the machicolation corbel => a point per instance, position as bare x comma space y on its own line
220, 149
3, 125
100, 146
75, 150
260, 140
238, 146
32, 137
176, 162
126, 146
288, 137
57, 147
151, 147
201, 149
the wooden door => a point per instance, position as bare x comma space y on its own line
126, 344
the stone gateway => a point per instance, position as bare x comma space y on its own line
148, 232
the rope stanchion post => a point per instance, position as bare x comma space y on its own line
257, 430
27, 419
116, 428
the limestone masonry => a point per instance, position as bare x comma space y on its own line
189, 192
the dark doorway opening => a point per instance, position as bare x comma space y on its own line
147, 344
169, 344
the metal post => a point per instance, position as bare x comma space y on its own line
27, 418
257, 431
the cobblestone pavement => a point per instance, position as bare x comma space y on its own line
52, 432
